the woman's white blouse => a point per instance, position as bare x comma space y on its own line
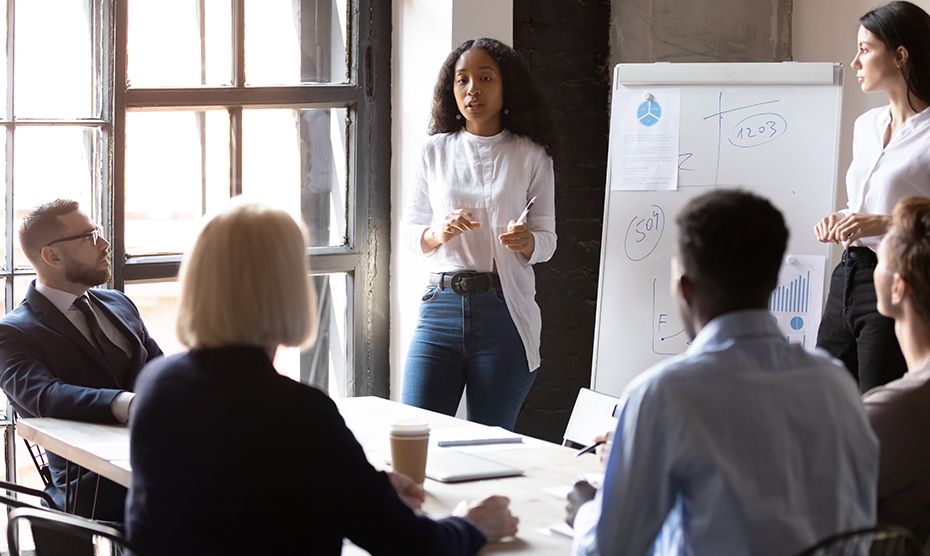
493, 177
880, 176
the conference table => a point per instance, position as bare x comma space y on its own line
537, 497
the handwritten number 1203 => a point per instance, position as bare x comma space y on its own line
768, 128
757, 130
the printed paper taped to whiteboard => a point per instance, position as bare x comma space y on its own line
645, 124
797, 300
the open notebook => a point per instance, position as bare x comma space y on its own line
452, 466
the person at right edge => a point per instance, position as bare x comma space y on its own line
891, 160
900, 410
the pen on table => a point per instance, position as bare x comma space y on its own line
526, 211
589, 448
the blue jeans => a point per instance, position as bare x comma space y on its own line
467, 341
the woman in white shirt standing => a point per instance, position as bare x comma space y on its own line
891, 160
487, 157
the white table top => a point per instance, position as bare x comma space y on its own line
104, 449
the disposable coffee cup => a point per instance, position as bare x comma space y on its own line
409, 444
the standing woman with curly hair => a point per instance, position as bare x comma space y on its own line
488, 155
891, 160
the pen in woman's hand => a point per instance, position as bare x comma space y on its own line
526, 211
590, 448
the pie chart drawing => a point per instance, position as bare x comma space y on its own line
649, 113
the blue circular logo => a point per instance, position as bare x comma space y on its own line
796, 323
649, 113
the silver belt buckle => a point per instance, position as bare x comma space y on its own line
462, 283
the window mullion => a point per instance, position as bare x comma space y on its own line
10, 55
235, 151
202, 31
315, 96
117, 198
9, 130
238, 37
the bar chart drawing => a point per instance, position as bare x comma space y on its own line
797, 300
793, 296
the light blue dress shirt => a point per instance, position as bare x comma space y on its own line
743, 445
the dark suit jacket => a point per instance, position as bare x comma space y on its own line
229, 457
48, 369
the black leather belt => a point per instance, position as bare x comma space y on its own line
857, 253
466, 281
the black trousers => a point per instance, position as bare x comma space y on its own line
853, 330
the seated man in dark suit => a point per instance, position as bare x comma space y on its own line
69, 351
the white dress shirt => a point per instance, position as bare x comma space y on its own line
745, 445
494, 177
880, 176
64, 301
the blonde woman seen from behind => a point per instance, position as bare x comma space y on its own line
230, 457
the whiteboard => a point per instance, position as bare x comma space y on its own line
637, 322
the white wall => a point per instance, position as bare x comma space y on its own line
425, 31
825, 31
481, 18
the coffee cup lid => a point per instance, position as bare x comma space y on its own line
410, 426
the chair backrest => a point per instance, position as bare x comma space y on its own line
882, 540
593, 414
9, 491
923, 533
49, 542
37, 453
39, 459
82, 535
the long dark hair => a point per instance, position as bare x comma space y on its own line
905, 24
526, 111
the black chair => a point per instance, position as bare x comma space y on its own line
36, 452
40, 460
923, 533
882, 540
75, 530
48, 542
9, 495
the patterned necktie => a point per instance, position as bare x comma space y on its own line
116, 359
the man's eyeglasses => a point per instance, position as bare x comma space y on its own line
93, 235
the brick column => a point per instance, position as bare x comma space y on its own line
566, 43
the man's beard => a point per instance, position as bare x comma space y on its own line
86, 275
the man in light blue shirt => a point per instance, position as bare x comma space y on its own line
745, 444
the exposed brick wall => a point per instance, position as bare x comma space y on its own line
567, 44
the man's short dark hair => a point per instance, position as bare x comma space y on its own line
731, 242
41, 226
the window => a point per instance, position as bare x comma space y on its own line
152, 114
56, 138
